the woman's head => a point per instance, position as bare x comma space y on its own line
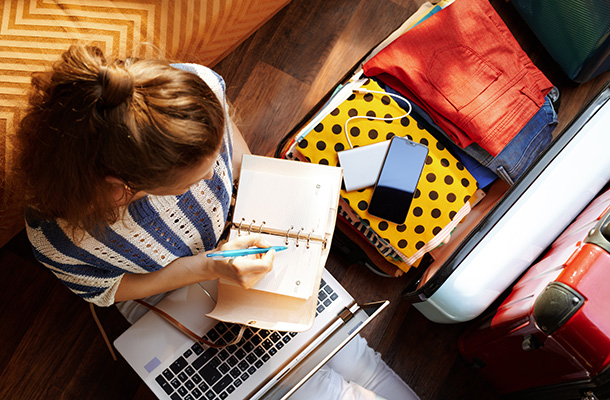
93, 122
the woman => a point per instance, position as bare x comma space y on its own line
128, 169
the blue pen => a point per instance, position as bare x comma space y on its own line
244, 252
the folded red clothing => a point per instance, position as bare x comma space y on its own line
464, 67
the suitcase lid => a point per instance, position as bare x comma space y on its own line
456, 260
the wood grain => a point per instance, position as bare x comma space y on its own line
51, 348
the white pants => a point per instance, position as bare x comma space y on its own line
356, 372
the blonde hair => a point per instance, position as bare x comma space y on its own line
141, 121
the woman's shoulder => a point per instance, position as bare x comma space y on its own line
211, 78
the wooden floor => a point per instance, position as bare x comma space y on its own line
49, 345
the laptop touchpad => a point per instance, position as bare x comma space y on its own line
152, 340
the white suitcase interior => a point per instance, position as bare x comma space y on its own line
512, 226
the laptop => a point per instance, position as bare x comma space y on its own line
263, 365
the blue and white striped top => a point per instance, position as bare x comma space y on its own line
156, 230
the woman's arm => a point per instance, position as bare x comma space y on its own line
188, 270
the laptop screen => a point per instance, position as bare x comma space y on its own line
291, 380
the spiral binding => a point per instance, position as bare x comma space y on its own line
288, 234
299, 235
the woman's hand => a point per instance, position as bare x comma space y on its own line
245, 270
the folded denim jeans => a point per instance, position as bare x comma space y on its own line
518, 154
523, 149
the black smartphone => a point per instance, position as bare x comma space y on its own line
397, 180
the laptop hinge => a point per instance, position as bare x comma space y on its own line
346, 314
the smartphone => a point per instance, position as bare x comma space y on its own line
397, 180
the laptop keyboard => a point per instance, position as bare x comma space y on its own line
210, 373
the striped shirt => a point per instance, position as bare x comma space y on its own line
155, 231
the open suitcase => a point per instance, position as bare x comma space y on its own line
526, 220
493, 247
550, 338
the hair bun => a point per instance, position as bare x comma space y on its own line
116, 85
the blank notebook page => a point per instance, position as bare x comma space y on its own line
286, 202
281, 201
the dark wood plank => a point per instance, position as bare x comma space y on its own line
50, 345
316, 43
268, 93
307, 33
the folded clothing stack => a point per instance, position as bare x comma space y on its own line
468, 73
475, 99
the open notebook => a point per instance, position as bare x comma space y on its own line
293, 204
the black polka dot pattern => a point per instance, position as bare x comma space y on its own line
444, 187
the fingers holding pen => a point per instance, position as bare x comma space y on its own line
244, 270
244, 242
250, 269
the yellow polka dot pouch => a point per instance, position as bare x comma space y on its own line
445, 188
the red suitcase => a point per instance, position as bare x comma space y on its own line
550, 338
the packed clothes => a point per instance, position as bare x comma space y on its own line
472, 96
468, 72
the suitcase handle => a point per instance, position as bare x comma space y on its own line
600, 234
558, 302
